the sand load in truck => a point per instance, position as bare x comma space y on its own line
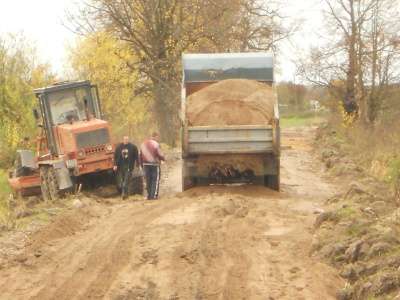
230, 120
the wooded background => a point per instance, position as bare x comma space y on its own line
132, 50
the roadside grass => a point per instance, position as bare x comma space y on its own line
9, 220
40, 215
300, 120
374, 148
5, 191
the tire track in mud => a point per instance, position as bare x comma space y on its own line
85, 265
208, 263
191, 262
218, 242
108, 257
234, 267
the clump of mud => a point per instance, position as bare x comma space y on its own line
232, 102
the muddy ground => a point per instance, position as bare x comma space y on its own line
220, 242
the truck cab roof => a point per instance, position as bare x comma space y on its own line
62, 86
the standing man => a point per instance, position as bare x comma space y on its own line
125, 157
151, 157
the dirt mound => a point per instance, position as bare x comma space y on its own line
232, 102
62, 226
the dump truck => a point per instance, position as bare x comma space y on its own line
230, 120
74, 143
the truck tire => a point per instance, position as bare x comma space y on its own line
187, 180
272, 181
44, 187
201, 181
259, 180
187, 183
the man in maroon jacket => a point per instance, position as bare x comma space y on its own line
151, 157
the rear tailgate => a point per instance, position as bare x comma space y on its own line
230, 139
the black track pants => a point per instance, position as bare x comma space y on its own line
152, 173
125, 180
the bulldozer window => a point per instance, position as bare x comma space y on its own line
69, 105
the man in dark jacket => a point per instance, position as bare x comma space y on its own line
125, 157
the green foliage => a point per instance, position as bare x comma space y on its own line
5, 191
346, 212
293, 96
102, 59
393, 172
19, 74
300, 121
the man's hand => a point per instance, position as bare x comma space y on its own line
115, 168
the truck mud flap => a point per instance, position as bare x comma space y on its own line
63, 177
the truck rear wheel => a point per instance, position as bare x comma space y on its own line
187, 180
272, 181
259, 180
187, 183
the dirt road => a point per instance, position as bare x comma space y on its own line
218, 242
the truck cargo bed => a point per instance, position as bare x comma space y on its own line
230, 139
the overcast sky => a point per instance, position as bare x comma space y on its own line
308, 14
41, 21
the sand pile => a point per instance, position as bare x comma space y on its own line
231, 102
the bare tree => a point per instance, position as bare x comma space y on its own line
361, 53
159, 31
381, 57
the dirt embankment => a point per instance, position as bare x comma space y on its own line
359, 233
219, 242
232, 102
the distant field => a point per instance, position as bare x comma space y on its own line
298, 121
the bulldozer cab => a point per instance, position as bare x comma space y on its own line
67, 102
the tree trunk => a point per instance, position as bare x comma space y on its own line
351, 101
165, 111
372, 102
